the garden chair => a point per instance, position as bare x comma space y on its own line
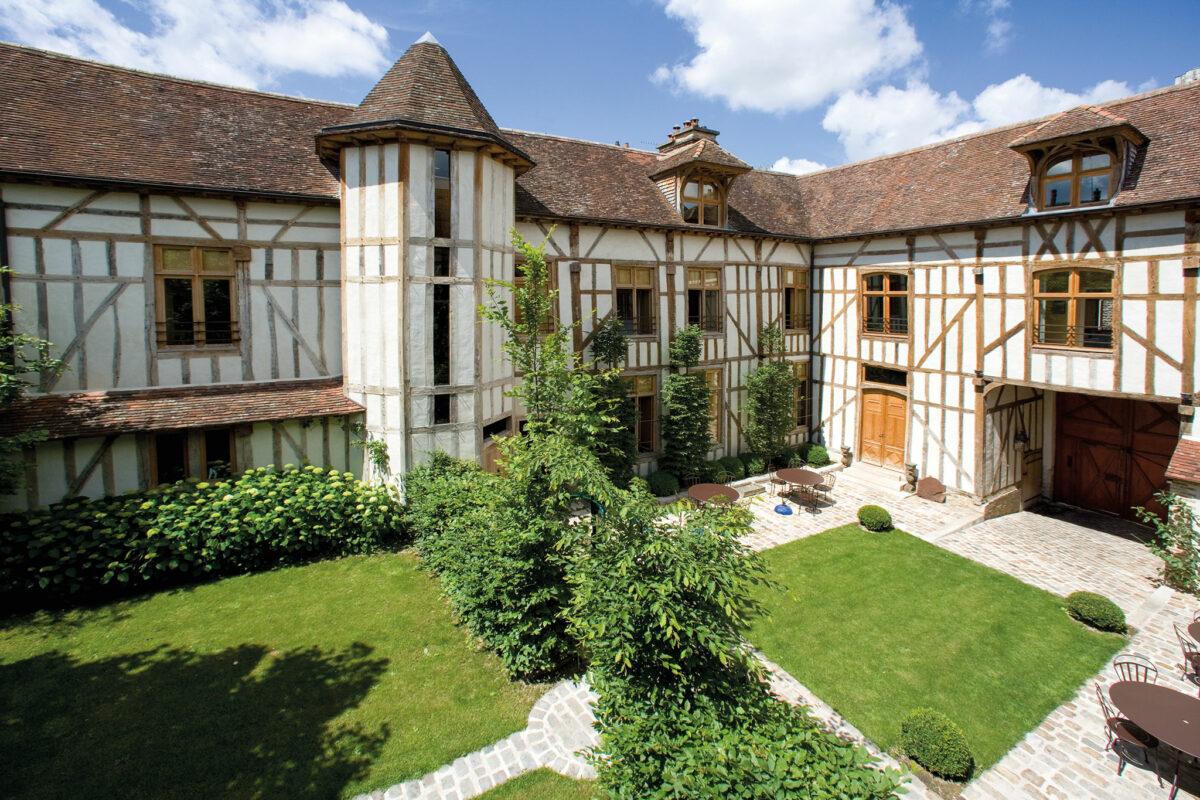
1122, 730
1191, 651
825, 487
778, 486
1134, 667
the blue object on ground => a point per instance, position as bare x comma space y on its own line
783, 508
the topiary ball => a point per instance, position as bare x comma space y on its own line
734, 466
874, 518
663, 484
817, 455
937, 744
1097, 611
755, 465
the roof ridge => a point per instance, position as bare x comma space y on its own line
173, 78
622, 148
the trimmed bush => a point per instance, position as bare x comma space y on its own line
874, 518
937, 744
662, 484
713, 472
754, 464
191, 530
734, 466
817, 455
796, 458
1097, 611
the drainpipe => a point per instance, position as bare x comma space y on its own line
6, 321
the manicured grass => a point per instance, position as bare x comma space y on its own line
316, 681
880, 623
542, 784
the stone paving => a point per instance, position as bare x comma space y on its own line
853, 491
561, 724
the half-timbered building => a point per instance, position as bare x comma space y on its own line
237, 278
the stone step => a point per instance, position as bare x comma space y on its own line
870, 475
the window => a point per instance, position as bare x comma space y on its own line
441, 262
175, 459
892, 377
712, 379
795, 299
520, 279
645, 397
701, 203
195, 307
1077, 180
885, 304
704, 298
442, 414
1074, 308
441, 334
803, 389
441, 194
635, 299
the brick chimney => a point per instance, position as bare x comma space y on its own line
690, 131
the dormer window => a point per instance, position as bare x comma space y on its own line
1078, 179
701, 203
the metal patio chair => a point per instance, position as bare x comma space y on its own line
1134, 667
1119, 729
1190, 650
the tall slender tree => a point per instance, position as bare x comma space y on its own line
770, 398
686, 433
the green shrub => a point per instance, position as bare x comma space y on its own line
186, 531
1097, 611
713, 472
754, 463
937, 744
734, 467
817, 455
662, 484
796, 458
874, 518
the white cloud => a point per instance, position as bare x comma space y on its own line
999, 29
797, 166
788, 55
240, 42
891, 119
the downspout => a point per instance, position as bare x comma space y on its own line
6, 320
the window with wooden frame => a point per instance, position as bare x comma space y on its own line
635, 299
885, 303
716, 403
441, 194
704, 298
645, 396
206, 454
701, 202
803, 390
520, 281
194, 297
1079, 179
795, 299
1073, 308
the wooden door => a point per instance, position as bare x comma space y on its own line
1112, 453
884, 428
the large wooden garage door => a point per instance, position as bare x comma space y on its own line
884, 424
1112, 454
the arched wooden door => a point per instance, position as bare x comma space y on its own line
884, 428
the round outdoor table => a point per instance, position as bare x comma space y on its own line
1194, 630
708, 492
798, 476
1170, 716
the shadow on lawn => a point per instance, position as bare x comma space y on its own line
239, 723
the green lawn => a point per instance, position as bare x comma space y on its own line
315, 681
542, 784
879, 624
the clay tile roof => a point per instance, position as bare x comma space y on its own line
425, 86
63, 116
1185, 463
103, 413
1072, 122
702, 151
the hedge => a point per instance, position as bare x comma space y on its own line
190, 530
874, 518
663, 484
734, 466
755, 465
937, 744
1097, 611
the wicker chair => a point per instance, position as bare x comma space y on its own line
1120, 729
1134, 667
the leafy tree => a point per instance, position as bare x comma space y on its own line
22, 359
685, 401
618, 445
770, 398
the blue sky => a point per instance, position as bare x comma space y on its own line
789, 83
